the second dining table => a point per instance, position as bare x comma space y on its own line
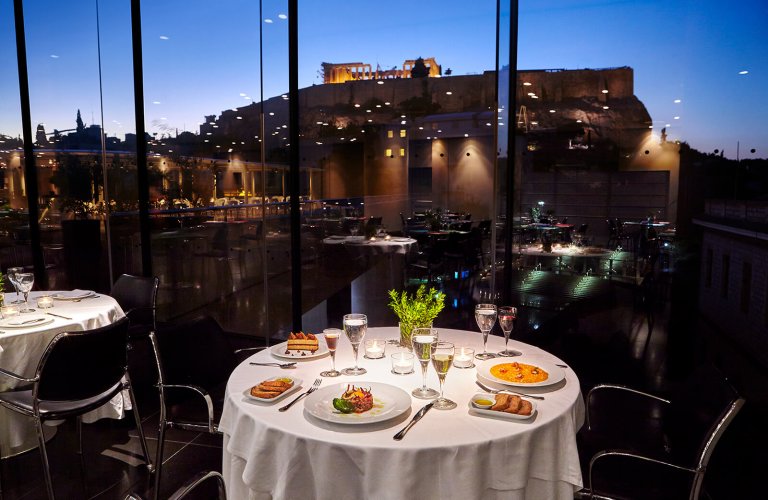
459, 453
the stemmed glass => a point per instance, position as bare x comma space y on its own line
25, 282
422, 340
507, 315
442, 360
485, 315
355, 326
12, 272
331, 336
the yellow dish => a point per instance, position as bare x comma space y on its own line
520, 373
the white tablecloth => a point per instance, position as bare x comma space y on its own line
21, 349
448, 454
360, 244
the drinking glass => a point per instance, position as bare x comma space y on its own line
25, 282
485, 315
442, 360
12, 272
422, 340
355, 326
331, 336
507, 316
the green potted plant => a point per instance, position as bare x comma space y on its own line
415, 311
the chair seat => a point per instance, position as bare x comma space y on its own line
22, 400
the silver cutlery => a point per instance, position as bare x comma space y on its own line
28, 322
400, 435
561, 366
497, 391
58, 315
280, 365
310, 391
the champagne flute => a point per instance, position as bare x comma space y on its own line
12, 272
25, 281
331, 337
507, 316
355, 326
422, 340
442, 360
485, 315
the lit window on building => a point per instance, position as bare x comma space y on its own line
402, 151
388, 152
402, 132
390, 134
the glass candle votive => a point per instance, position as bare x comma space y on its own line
9, 311
44, 301
464, 357
402, 363
374, 348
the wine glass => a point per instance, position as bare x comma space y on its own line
25, 282
507, 315
485, 315
442, 360
331, 337
355, 326
12, 272
422, 340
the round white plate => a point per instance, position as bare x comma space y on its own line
74, 295
556, 374
296, 384
500, 414
281, 351
388, 402
25, 321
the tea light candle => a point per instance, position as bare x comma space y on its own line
402, 363
44, 301
374, 349
387, 237
464, 357
9, 311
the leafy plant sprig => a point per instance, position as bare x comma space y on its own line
418, 309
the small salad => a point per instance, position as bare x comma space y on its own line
354, 400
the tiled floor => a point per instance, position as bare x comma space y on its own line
605, 339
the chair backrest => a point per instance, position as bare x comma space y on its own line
79, 365
701, 410
195, 352
137, 296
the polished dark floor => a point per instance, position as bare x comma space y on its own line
611, 335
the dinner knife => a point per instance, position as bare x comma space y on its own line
400, 435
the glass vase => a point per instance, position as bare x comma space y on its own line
405, 332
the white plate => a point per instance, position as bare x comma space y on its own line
556, 374
388, 402
279, 351
24, 321
401, 240
73, 295
500, 414
296, 384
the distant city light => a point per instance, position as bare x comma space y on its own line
163, 37
242, 94
386, 103
271, 113
421, 128
605, 91
466, 135
402, 122
357, 105
282, 16
318, 143
488, 124
743, 72
268, 21
551, 110
677, 101
677, 118
578, 121
534, 97
54, 56
380, 82
155, 102
449, 93
527, 84
239, 117
606, 107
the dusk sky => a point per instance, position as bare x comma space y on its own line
201, 57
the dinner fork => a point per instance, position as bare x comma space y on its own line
312, 389
281, 365
497, 391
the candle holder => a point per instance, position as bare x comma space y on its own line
374, 348
464, 357
9, 311
45, 302
402, 363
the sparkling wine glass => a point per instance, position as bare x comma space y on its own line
355, 326
485, 315
442, 360
422, 340
12, 272
25, 281
507, 316
331, 337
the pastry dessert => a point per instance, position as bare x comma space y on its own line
302, 342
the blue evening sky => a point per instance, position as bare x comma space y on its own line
201, 57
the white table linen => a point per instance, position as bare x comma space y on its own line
359, 244
22, 348
448, 454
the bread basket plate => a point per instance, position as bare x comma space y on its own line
295, 387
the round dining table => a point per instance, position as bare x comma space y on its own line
23, 340
269, 454
375, 246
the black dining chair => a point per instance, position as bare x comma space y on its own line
137, 296
194, 361
641, 445
78, 372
